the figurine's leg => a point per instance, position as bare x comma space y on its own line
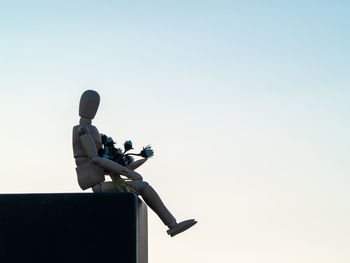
104, 187
153, 200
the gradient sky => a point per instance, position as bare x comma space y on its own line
244, 102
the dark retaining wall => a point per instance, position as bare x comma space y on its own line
84, 227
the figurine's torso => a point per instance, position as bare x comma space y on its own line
89, 174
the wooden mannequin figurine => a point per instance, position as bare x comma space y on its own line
92, 168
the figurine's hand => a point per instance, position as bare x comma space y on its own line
132, 175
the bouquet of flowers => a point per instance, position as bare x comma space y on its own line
109, 151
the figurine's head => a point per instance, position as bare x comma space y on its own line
89, 103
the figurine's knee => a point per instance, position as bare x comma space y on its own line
139, 186
142, 186
145, 184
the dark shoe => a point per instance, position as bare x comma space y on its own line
180, 227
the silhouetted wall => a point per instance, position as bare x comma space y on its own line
86, 227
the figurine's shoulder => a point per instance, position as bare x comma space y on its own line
76, 128
81, 129
94, 130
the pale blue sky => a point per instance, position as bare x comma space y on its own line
245, 104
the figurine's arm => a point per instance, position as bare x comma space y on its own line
136, 164
87, 142
112, 167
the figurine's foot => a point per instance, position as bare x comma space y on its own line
180, 227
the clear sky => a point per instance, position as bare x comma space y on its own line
244, 102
